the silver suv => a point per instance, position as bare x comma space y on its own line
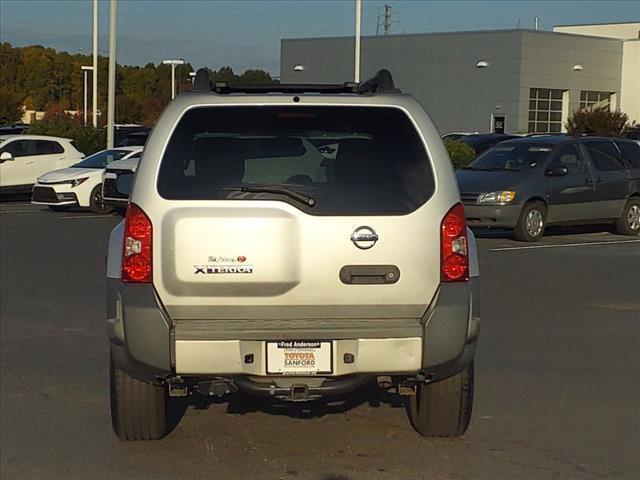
293, 242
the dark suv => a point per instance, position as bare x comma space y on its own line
529, 183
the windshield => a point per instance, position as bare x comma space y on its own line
324, 160
511, 156
100, 159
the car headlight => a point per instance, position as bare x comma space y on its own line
77, 181
497, 197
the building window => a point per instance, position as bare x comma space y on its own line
545, 110
594, 100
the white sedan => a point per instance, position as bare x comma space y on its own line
81, 184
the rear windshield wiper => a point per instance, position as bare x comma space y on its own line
300, 197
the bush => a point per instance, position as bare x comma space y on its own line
460, 153
599, 122
86, 139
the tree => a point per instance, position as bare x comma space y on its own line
86, 139
460, 153
128, 109
225, 74
10, 106
254, 76
599, 122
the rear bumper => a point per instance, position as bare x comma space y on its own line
500, 216
148, 345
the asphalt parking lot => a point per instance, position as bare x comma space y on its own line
557, 393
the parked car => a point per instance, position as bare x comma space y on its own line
24, 157
456, 136
484, 141
135, 139
13, 129
81, 184
248, 260
122, 134
533, 182
118, 173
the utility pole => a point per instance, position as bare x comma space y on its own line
111, 93
357, 52
387, 19
95, 64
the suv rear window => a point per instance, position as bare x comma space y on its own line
47, 147
349, 160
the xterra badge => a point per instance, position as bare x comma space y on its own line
212, 269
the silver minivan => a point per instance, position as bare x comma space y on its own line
294, 242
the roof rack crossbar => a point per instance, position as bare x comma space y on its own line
381, 82
287, 88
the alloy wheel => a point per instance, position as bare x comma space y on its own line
534, 223
633, 217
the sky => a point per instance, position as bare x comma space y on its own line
247, 34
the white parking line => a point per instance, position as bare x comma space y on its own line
562, 245
21, 211
88, 216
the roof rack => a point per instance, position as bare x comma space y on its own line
225, 87
381, 82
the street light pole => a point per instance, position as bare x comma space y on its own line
111, 93
95, 64
357, 52
173, 63
85, 69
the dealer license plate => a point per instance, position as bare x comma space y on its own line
299, 357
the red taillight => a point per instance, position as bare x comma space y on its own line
454, 255
137, 257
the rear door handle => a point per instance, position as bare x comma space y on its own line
369, 274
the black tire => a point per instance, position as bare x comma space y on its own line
532, 222
138, 409
443, 409
629, 221
95, 201
59, 208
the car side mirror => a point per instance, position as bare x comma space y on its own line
557, 171
124, 183
5, 157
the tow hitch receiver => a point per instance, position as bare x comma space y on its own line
299, 393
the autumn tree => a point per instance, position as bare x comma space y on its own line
43, 79
10, 106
